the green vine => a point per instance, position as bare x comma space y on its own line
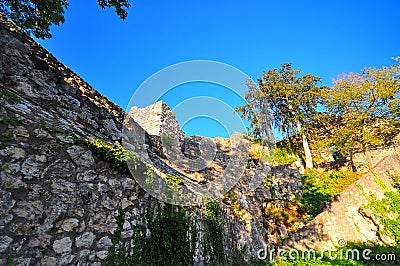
10, 261
8, 134
116, 154
213, 238
7, 96
5, 138
119, 257
166, 235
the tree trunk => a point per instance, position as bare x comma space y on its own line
306, 147
353, 166
367, 157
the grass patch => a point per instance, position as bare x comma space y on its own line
387, 211
320, 188
173, 180
259, 153
282, 156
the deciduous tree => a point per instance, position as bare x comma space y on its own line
364, 110
285, 101
36, 16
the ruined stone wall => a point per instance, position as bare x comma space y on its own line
158, 120
58, 200
245, 209
376, 155
50, 91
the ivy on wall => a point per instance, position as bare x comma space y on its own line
166, 235
213, 246
116, 154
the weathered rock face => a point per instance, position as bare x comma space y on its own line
344, 220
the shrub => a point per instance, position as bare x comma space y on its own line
283, 156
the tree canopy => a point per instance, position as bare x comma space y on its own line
36, 16
359, 112
362, 110
283, 100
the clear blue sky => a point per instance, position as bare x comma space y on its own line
324, 38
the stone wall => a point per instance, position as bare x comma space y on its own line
157, 119
58, 200
248, 226
376, 155
49, 91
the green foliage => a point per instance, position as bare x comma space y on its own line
119, 257
37, 16
396, 181
283, 156
316, 194
7, 134
213, 238
336, 174
10, 261
380, 183
171, 241
5, 138
284, 101
174, 180
116, 154
281, 98
9, 120
8, 97
362, 110
320, 188
150, 173
238, 211
387, 210
375, 250
268, 180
